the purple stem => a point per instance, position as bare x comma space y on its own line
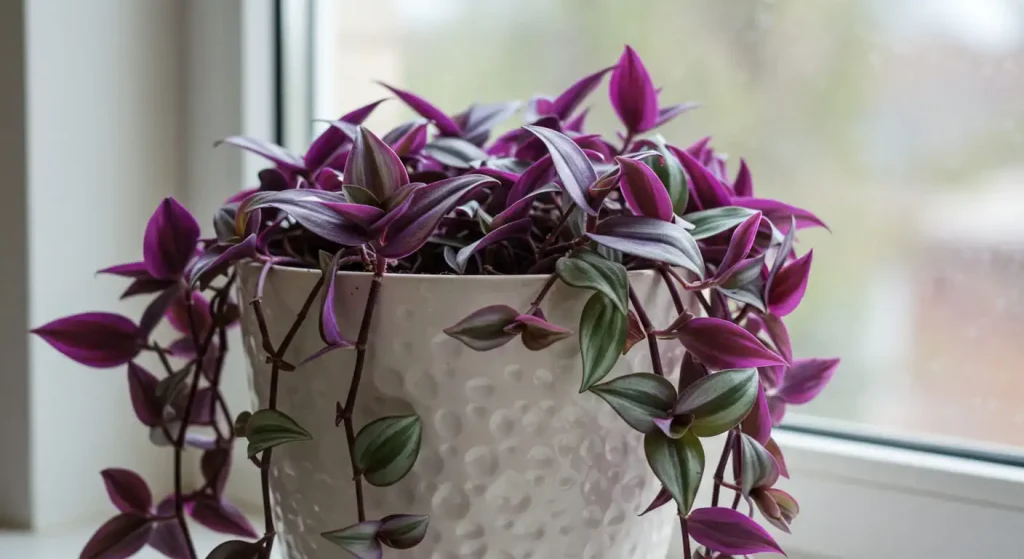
652, 340
543, 293
720, 470
687, 554
357, 375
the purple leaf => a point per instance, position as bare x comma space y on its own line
743, 185
360, 540
777, 507
666, 114
326, 145
156, 309
216, 465
444, 124
521, 208
758, 423
177, 313
652, 239
96, 339
690, 371
412, 142
428, 205
663, 498
643, 191
237, 549
564, 105
727, 531
509, 230
707, 189
396, 208
779, 335
216, 260
536, 175
167, 537
780, 461
806, 379
485, 329
634, 332
120, 537
127, 491
374, 166
787, 288
142, 387
220, 516
571, 164
135, 270
480, 119
720, 344
145, 286
538, 333
330, 333
575, 124
780, 213
632, 93
360, 214
777, 409
271, 151
170, 241
739, 245
307, 207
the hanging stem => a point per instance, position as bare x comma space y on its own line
652, 340
357, 374
720, 470
543, 293
275, 369
737, 443
677, 300
687, 554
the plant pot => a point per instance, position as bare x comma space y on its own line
515, 463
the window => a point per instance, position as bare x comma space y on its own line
899, 122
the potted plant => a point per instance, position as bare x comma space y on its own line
507, 348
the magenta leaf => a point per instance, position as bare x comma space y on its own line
411, 142
360, 540
739, 246
237, 549
374, 166
427, 206
145, 286
216, 260
330, 333
779, 213
575, 124
127, 491
568, 101
215, 466
779, 335
403, 531
142, 387
326, 146
652, 239
485, 329
535, 176
167, 537
707, 189
134, 270
177, 313
788, 286
643, 191
538, 333
780, 461
444, 124
571, 164
632, 93
480, 119
359, 214
170, 241
517, 228
758, 423
806, 379
455, 152
744, 184
271, 151
727, 531
520, 209
220, 516
308, 208
96, 339
720, 344
666, 114
156, 309
663, 498
120, 537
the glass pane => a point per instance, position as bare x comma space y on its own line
900, 122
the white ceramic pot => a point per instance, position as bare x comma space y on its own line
515, 463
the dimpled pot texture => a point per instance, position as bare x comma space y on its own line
514, 464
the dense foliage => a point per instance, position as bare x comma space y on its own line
437, 195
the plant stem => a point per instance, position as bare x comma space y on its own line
703, 302
743, 314
687, 554
357, 375
543, 293
677, 300
558, 229
275, 370
720, 471
652, 340
738, 464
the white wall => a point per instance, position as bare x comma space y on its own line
104, 138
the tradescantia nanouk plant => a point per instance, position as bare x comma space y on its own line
438, 195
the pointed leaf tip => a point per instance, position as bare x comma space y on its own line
727, 531
632, 93
96, 339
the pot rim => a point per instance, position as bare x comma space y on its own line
430, 277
